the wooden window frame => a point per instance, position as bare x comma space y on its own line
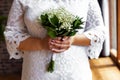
115, 53
118, 31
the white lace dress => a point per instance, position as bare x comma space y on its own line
72, 64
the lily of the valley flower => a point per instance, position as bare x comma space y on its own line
59, 23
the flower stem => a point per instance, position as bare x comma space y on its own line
51, 66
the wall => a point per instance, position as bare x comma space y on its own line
7, 66
5, 6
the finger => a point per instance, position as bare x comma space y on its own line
58, 51
58, 38
61, 38
65, 38
62, 46
66, 42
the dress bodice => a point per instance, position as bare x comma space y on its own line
35, 7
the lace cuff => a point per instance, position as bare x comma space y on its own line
94, 29
15, 31
97, 37
13, 37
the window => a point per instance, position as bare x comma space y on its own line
118, 29
115, 29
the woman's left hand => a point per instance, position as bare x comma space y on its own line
60, 44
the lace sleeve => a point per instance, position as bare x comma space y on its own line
94, 29
15, 30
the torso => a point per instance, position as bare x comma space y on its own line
70, 65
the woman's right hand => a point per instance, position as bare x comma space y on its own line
60, 44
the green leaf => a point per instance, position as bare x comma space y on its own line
52, 34
54, 21
77, 23
72, 33
51, 66
3, 20
59, 24
61, 32
66, 33
80, 27
44, 19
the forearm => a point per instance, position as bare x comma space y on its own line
81, 40
32, 44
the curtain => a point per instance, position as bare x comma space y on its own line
105, 13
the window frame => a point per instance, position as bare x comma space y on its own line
115, 53
118, 30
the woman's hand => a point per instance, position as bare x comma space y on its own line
60, 44
56, 45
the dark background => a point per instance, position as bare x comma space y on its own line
7, 66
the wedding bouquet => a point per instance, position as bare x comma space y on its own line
59, 23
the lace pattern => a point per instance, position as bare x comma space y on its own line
72, 64
95, 30
15, 30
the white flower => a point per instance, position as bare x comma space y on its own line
63, 15
59, 22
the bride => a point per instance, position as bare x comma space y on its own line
27, 39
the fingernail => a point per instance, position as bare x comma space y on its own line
53, 49
63, 39
53, 40
51, 43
